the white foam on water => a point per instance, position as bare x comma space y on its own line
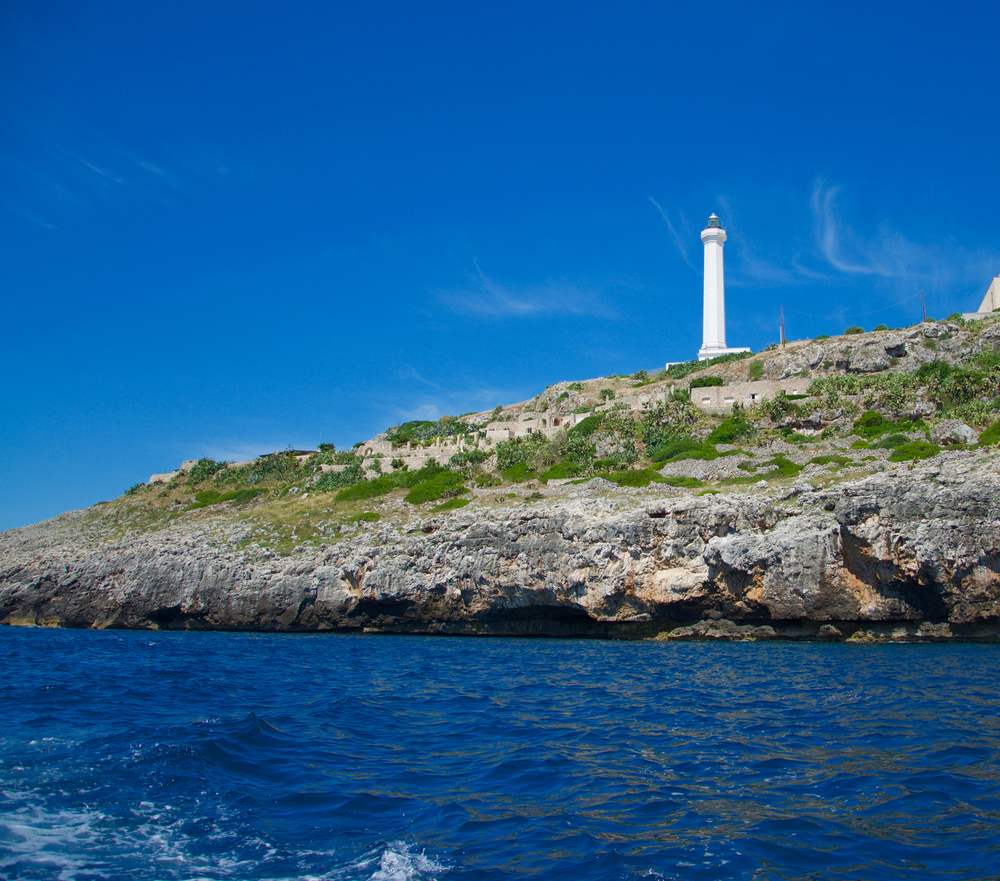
400, 863
396, 861
34, 836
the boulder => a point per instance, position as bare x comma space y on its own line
953, 432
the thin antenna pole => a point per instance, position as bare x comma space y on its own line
781, 325
923, 305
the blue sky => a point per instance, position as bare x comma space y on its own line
230, 228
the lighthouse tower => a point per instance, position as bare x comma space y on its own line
713, 341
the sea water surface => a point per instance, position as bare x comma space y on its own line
161, 756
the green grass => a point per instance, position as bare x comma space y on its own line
562, 471
681, 481
889, 442
439, 486
913, 450
990, 437
586, 427
782, 467
369, 489
386, 483
705, 381
872, 424
683, 448
730, 430
451, 505
208, 497
756, 370
364, 517
518, 473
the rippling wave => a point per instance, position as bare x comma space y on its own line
242, 756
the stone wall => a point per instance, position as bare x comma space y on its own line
720, 399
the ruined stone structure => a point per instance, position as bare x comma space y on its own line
720, 399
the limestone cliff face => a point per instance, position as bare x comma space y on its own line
914, 550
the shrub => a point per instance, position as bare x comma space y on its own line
641, 376
451, 505
756, 370
706, 381
336, 480
678, 480
607, 394
439, 486
889, 442
468, 458
853, 330
668, 420
990, 437
204, 469
871, 424
327, 448
422, 431
586, 427
678, 448
562, 471
518, 473
484, 479
213, 497
830, 459
730, 430
911, 450
821, 337
881, 327
365, 517
521, 450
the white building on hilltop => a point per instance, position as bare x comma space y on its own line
713, 341
991, 300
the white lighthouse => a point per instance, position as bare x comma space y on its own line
713, 341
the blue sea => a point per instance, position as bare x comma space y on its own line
132, 755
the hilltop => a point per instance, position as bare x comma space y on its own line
847, 483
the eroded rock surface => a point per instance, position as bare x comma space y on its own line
916, 546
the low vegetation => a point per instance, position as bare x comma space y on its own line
291, 498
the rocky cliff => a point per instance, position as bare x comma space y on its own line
911, 551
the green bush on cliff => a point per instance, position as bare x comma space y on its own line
204, 469
637, 477
706, 381
911, 450
756, 370
451, 505
213, 497
990, 437
442, 485
679, 448
730, 430
329, 481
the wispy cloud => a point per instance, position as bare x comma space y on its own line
675, 237
889, 254
102, 172
859, 259
418, 396
487, 298
751, 267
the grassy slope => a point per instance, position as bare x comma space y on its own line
280, 503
